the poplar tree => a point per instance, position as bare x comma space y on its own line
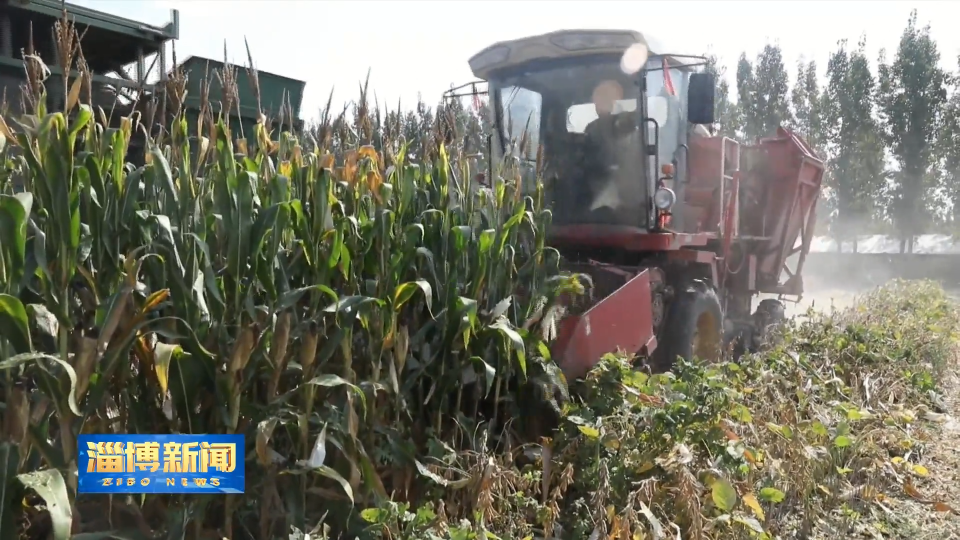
727, 112
854, 145
912, 98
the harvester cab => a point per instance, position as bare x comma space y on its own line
676, 228
611, 117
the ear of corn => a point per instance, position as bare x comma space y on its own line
329, 284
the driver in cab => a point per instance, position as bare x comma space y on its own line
608, 127
603, 135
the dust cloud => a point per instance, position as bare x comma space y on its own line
823, 296
829, 285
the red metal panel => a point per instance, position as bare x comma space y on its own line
706, 155
623, 320
791, 176
711, 161
628, 238
692, 255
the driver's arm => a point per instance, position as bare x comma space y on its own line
625, 122
593, 128
616, 124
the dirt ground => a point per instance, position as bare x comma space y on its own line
929, 512
943, 457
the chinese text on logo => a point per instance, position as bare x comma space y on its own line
161, 464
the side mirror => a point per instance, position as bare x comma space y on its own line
700, 98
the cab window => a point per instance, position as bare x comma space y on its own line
579, 116
521, 110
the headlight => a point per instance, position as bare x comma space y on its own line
664, 198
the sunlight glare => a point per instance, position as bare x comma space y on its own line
634, 58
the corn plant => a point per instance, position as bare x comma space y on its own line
344, 310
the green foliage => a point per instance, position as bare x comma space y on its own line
772, 91
808, 106
853, 120
351, 311
855, 149
746, 100
727, 113
375, 325
948, 148
770, 446
763, 88
912, 94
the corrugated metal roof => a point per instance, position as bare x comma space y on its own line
91, 17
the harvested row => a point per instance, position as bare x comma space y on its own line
826, 434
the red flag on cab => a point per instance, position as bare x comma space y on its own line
476, 99
667, 80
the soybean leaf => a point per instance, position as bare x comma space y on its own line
373, 515
773, 495
724, 495
842, 441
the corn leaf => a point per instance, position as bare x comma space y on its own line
50, 486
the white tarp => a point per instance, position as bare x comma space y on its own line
878, 243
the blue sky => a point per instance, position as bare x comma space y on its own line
422, 47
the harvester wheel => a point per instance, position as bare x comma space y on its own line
769, 317
694, 327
